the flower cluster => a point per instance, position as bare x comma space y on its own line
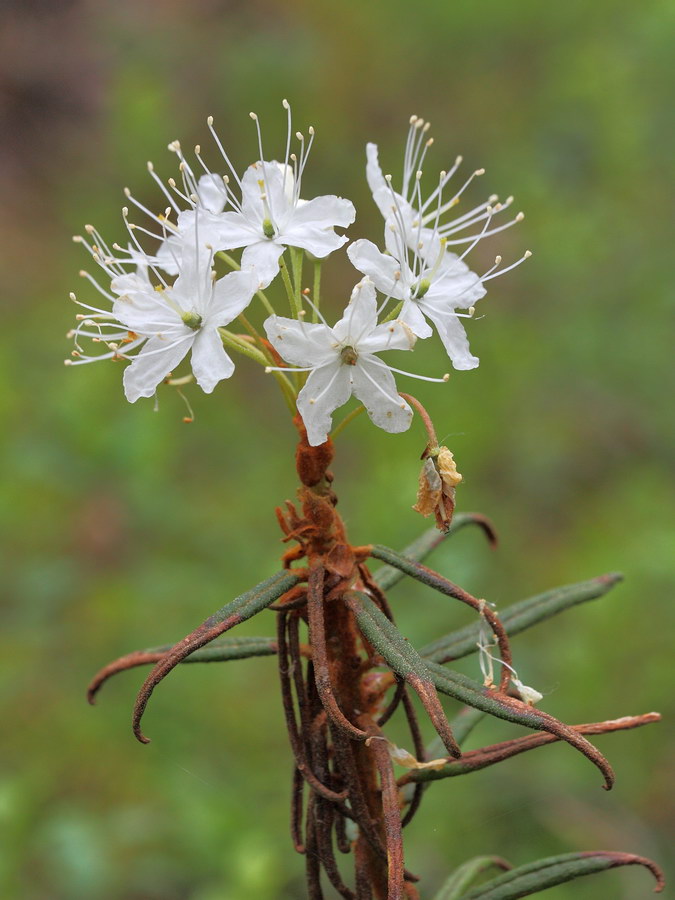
179, 297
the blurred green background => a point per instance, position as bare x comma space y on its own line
124, 528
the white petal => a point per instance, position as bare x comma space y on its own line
389, 336
169, 254
230, 295
326, 212
271, 176
327, 388
146, 313
158, 357
212, 194
360, 316
320, 241
386, 200
451, 332
263, 255
457, 288
301, 343
412, 315
132, 284
226, 231
378, 186
375, 387
366, 257
210, 362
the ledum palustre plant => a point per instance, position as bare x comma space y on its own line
178, 288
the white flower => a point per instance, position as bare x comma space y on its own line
419, 268
423, 217
431, 289
204, 196
342, 362
270, 215
165, 321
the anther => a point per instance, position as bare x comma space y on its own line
285, 103
150, 166
479, 172
527, 254
253, 116
446, 377
209, 120
127, 192
520, 217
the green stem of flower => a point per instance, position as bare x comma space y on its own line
292, 299
241, 345
234, 342
347, 419
394, 313
297, 259
233, 264
426, 418
316, 290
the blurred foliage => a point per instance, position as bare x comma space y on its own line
123, 528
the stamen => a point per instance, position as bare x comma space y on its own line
158, 180
514, 221
209, 122
526, 255
287, 106
384, 365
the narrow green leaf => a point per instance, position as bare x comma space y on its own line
519, 616
226, 648
239, 610
470, 692
546, 873
419, 549
466, 874
424, 676
403, 659
483, 757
